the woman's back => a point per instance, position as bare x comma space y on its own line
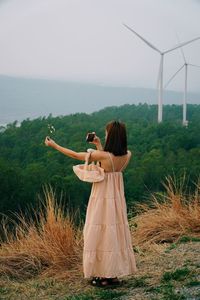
115, 163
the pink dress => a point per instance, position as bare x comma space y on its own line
108, 248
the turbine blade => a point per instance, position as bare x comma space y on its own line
143, 39
159, 72
168, 82
181, 45
181, 48
194, 65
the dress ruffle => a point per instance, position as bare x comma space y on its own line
109, 263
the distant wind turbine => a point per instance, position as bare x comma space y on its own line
186, 64
160, 73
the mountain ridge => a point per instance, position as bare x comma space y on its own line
22, 98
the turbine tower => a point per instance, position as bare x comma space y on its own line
185, 65
160, 73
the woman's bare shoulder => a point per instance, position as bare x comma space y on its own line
99, 155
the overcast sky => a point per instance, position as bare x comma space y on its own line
84, 40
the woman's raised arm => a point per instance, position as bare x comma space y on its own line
95, 155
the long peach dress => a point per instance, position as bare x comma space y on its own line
108, 248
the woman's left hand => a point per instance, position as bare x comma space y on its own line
49, 142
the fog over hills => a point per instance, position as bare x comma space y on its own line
22, 98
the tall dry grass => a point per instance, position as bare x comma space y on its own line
170, 215
50, 245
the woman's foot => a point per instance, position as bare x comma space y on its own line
104, 282
100, 281
114, 281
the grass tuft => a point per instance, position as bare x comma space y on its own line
187, 239
178, 275
49, 246
102, 294
192, 283
170, 216
169, 293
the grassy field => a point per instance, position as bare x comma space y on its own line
167, 272
42, 259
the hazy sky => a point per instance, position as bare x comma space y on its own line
84, 40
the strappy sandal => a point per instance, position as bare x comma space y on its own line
100, 282
94, 281
115, 281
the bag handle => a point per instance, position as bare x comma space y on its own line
87, 157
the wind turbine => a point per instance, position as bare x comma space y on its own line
160, 73
185, 65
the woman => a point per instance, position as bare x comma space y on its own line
107, 252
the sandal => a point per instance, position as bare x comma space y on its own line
100, 282
115, 281
94, 281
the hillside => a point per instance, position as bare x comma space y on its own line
158, 150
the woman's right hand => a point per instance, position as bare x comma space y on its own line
97, 142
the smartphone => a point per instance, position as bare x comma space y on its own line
90, 137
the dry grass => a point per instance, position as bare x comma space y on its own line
49, 246
170, 215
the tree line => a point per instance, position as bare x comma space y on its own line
27, 165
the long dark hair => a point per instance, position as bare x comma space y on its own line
116, 141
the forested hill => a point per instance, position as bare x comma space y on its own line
26, 164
